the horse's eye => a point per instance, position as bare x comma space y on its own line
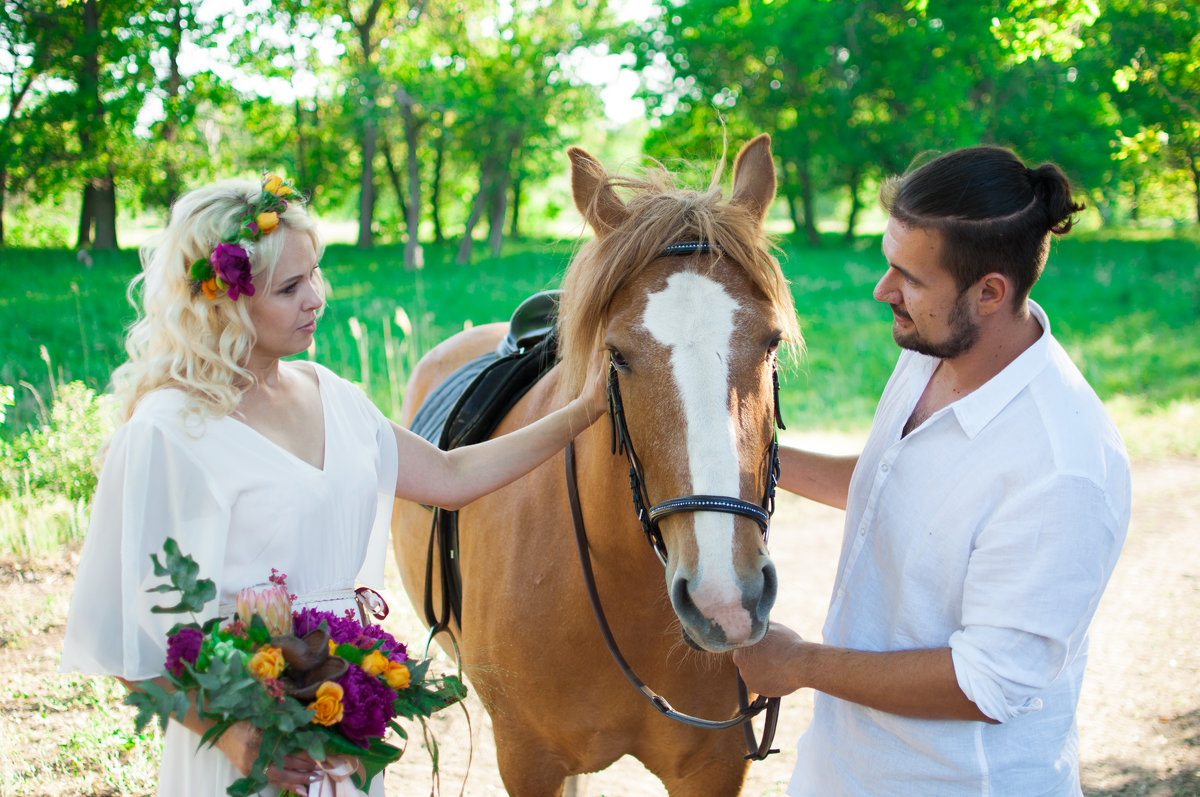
618, 359
772, 346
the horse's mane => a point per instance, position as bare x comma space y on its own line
660, 214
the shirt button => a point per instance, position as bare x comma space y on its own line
884, 467
862, 530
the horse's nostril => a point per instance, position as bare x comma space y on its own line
770, 588
681, 597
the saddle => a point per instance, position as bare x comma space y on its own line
465, 409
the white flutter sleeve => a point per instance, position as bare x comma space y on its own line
151, 487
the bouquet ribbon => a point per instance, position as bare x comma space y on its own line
335, 779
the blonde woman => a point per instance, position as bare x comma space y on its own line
250, 461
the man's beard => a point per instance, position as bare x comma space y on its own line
963, 334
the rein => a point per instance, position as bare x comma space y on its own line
649, 516
757, 751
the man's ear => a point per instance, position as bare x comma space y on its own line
994, 292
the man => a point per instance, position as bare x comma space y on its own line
984, 515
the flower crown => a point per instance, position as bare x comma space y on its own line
227, 268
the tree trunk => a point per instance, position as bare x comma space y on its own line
485, 187
412, 132
3, 195
498, 205
87, 215
90, 117
395, 178
435, 199
366, 197
855, 203
808, 202
105, 195
514, 229
301, 152
1195, 164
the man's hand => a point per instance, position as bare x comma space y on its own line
769, 667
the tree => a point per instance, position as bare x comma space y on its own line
1154, 49
31, 42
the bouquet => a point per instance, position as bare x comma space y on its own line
311, 681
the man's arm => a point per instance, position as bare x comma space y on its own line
820, 477
910, 683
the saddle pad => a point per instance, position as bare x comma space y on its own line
431, 416
470, 404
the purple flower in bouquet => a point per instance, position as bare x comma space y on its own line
367, 706
183, 646
232, 264
346, 630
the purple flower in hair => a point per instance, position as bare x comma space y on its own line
232, 264
183, 646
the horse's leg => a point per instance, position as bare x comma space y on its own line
527, 769
712, 779
576, 786
695, 762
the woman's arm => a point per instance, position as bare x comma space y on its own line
453, 479
820, 477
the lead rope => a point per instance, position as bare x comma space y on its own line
746, 711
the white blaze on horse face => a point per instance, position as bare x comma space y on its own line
694, 317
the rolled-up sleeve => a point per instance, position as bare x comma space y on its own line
1033, 583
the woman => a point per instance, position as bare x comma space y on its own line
252, 462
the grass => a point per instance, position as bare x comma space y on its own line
1126, 308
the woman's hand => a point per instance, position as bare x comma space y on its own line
241, 744
594, 395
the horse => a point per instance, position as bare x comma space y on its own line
682, 290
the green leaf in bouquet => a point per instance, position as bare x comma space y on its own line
152, 699
184, 574
215, 731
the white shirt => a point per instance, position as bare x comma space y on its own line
992, 528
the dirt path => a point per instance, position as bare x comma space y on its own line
1139, 712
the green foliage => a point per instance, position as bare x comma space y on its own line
57, 455
183, 576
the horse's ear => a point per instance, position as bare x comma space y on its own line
593, 195
754, 177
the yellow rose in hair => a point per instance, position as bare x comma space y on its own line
274, 185
397, 675
328, 705
267, 221
266, 663
375, 663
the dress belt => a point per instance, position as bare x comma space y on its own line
370, 603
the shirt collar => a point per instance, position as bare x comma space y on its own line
976, 411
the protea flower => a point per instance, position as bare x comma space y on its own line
271, 602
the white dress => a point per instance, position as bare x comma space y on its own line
239, 505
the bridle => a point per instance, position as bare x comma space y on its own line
622, 443
649, 516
